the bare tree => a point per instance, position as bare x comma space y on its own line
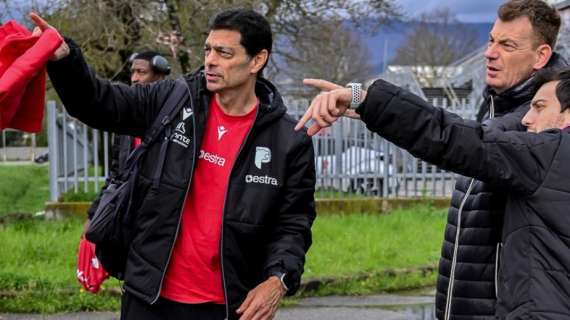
327, 50
108, 31
438, 40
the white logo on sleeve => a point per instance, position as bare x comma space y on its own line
186, 112
179, 135
262, 155
181, 128
221, 131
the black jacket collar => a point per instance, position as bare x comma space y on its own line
271, 105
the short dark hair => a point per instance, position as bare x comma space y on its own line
254, 29
158, 63
544, 76
544, 19
145, 55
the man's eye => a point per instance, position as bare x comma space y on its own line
225, 54
509, 46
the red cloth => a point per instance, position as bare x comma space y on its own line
194, 274
23, 59
90, 272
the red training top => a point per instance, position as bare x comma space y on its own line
194, 274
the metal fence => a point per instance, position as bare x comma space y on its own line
27, 151
75, 154
349, 160
352, 161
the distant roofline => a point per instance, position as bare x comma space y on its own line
562, 5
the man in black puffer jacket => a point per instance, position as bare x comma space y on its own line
531, 168
223, 231
520, 43
467, 280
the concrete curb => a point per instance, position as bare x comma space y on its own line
58, 210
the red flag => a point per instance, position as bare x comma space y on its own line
90, 272
23, 59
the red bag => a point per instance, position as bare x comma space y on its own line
90, 272
23, 59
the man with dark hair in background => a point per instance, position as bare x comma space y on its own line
148, 67
145, 67
224, 233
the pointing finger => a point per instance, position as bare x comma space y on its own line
320, 84
38, 21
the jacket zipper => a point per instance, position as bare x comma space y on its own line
223, 215
499, 244
497, 257
451, 284
182, 209
455, 249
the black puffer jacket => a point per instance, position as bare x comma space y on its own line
531, 170
269, 207
473, 230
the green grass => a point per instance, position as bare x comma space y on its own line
331, 194
364, 243
37, 259
23, 188
80, 196
37, 269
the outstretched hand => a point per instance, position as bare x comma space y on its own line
326, 108
41, 26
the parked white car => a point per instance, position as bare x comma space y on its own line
360, 170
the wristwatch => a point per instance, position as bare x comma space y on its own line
282, 277
356, 89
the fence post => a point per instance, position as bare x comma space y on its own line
338, 148
52, 150
386, 159
33, 148
5, 155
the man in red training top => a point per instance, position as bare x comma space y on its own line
225, 233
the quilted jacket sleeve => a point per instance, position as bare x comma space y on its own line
516, 161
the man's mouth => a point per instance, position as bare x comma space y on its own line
213, 76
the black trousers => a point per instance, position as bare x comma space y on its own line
132, 308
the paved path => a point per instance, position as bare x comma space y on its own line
385, 307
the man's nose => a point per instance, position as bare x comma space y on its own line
527, 119
210, 58
491, 53
135, 78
